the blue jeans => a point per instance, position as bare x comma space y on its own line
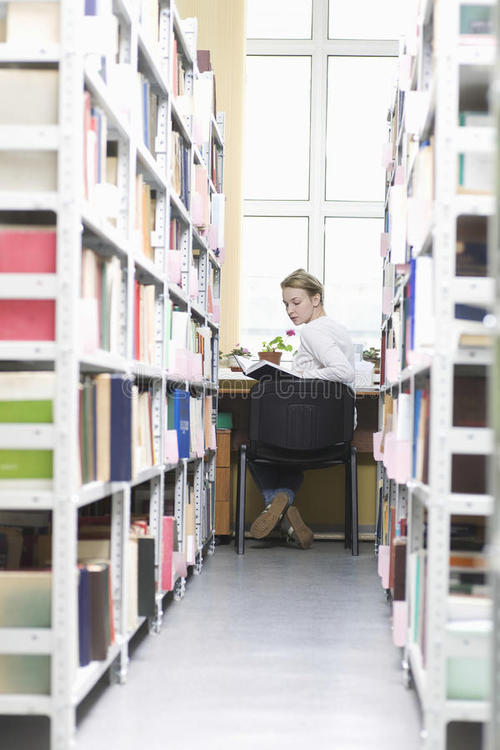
271, 479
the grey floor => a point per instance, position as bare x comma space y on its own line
279, 648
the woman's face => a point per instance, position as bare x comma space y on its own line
300, 307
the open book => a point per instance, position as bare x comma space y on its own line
261, 368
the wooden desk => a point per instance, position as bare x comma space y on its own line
233, 397
315, 497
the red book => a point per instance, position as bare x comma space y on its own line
167, 552
137, 320
27, 320
23, 251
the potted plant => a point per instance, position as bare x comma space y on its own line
272, 350
241, 351
372, 355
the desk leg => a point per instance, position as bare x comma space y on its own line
354, 517
240, 502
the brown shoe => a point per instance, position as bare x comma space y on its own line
303, 533
267, 520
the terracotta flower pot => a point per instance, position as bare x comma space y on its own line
274, 357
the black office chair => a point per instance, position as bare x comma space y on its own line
307, 424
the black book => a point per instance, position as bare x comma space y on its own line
261, 368
146, 575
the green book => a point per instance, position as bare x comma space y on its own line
25, 674
476, 19
26, 411
25, 464
25, 601
25, 598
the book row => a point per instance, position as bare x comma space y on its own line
402, 444
116, 436
25, 594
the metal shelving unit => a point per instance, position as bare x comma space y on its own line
458, 66
492, 740
69, 683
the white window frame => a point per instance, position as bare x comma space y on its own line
317, 208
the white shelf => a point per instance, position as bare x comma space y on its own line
149, 269
199, 241
177, 293
122, 8
475, 205
417, 670
474, 290
216, 131
147, 474
103, 361
27, 436
213, 325
100, 94
475, 441
476, 711
149, 166
470, 505
475, 140
25, 705
198, 158
29, 137
151, 63
16, 53
38, 351
103, 229
146, 370
29, 201
88, 676
93, 491
179, 207
456, 504
477, 54
181, 39
430, 111
26, 640
197, 310
181, 124
214, 260
28, 286
26, 499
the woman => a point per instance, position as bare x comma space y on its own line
325, 352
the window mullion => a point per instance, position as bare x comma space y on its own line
317, 169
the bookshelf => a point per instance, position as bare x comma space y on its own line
111, 248
434, 437
493, 735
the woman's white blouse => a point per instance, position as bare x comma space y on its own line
325, 352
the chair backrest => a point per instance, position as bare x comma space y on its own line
304, 415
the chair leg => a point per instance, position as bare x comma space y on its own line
239, 541
354, 482
347, 510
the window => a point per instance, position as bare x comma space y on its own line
359, 90
353, 279
279, 19
278, 97
266, 241
320, 76
369, 19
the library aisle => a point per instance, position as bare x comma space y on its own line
277, 648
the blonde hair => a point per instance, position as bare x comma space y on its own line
300, 279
